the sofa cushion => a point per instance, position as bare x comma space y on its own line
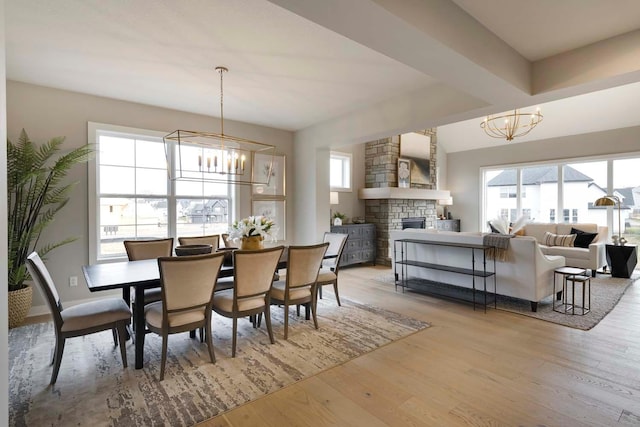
551, 239
583, 239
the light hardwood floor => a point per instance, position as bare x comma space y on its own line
468, 368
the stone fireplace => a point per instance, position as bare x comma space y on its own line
385, 203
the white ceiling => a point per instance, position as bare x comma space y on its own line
295, 65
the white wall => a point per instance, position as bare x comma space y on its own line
45, 113
463, 168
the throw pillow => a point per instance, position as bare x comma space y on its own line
551, 239
583, 239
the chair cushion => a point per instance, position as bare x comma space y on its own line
95, 313
153, 316
326, 276
277, 291
223, 300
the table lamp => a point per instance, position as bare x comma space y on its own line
445, 202
610, 200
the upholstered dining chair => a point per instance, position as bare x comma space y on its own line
329, 272
253, 276
299, 285
149, 249
213, 240
82, 319
187, 285
225, 240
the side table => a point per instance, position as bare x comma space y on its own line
565, 272
622, 260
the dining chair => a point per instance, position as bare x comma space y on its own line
213, 240
253, 276
299, 285
329, 272
187, 285
225, 240
149, 249
81, 319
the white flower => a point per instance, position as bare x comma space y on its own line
251, 226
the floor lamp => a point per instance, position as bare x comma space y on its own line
610, 200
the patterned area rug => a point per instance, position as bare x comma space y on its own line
93, 388
606, 291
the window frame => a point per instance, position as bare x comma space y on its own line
346, 159
95, 130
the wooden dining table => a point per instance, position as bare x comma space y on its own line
139, 275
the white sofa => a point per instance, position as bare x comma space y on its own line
593, 258
525, 272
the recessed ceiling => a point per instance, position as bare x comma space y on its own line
300, 65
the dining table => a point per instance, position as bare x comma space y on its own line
139, 275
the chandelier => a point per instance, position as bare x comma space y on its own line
217, 157
511, 125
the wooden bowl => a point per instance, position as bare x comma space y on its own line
185, 250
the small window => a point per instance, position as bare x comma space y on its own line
340, 171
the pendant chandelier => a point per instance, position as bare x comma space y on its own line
511, 125
217, 157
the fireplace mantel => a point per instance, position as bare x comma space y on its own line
402, 193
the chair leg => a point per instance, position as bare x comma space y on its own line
165, 338
235, 332
115, 337
313, 313
320, 291
267, 320
286, 321
57, 358
335, 289
298, 310
122, 336
207, 329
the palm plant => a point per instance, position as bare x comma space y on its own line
35, 193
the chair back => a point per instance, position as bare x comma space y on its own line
337, 242
254, 271
188, 282
213, 240
41, 276
225, 240
303, 265
148, 249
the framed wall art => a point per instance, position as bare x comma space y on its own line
275, 176
275, 210
404, 173
417, 148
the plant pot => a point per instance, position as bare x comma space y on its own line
252, 243
19, 303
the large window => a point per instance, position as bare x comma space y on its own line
132, 197
565, 192
340, 171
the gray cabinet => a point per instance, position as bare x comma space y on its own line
361, 244
448, 224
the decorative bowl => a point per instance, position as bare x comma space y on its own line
185, 250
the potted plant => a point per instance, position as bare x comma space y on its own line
35, 193
338, 217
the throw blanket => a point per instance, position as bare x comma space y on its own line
499, 244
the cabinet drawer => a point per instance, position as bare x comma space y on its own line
352, 245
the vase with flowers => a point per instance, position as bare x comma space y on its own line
252, 231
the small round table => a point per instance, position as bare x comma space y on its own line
565, 272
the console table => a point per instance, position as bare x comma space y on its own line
478, 296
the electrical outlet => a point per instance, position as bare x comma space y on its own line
73, 281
